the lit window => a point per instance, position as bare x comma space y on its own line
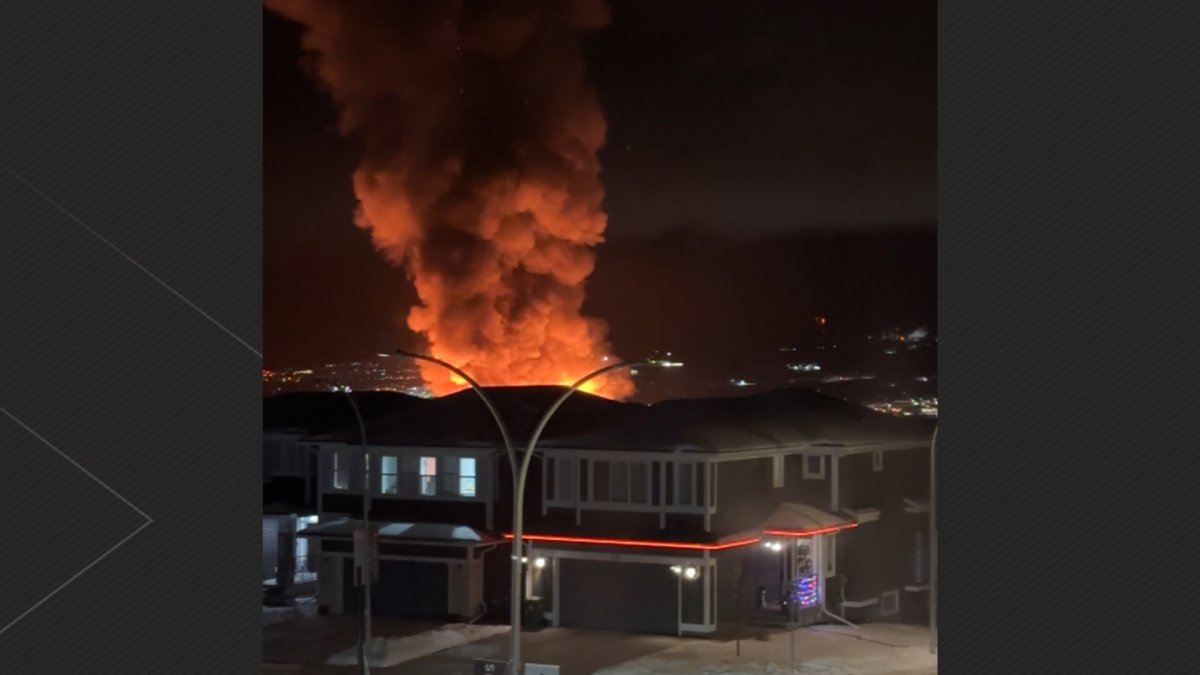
341, 472
388, 475
777, 471
466, 477
877, 460
814, 466
428, 476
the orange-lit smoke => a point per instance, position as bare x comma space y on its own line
479, 173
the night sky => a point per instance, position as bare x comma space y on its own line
766, 162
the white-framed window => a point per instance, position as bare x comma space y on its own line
877, 460
341, 470
389, 475
777, 471
685, 484
448, 476
428, 475
562, 478
814, 466
829, 553
619, 482
466, 477
889, 602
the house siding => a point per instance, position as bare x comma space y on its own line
744, 494
881, 556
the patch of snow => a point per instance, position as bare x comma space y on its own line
274, 615
387, 652
873, 649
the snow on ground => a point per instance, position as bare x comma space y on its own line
872, 649
274, 615
385, 652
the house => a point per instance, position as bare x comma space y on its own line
290, 476
440, 499
671, 518
702, 512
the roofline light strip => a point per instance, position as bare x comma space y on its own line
642, 543
637, 543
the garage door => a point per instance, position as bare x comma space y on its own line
634, 597
405, 588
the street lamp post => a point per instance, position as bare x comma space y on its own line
364, 636
519, 496
520, 472
933, 578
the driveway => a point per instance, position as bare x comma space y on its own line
302, 645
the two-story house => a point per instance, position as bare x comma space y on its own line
669, 518
440, 497
692, 513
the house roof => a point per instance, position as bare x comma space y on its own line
774, 419
315, 412
794, 518
442, 532
461, 419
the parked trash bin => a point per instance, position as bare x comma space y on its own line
533, 614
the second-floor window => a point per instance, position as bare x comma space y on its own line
466, 477
620, 482
458, 476
561, 479
389, 475
428, 476
341, 471
411, 476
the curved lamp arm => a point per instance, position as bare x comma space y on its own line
537, 432
508, 444
519, 508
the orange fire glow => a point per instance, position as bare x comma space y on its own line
479, 174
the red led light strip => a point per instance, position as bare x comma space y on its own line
641, 543
638, 543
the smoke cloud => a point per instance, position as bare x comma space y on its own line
479, 172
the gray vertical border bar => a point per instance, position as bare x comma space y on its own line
1069, 153
131, 313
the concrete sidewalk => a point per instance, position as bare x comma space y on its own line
302, 645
